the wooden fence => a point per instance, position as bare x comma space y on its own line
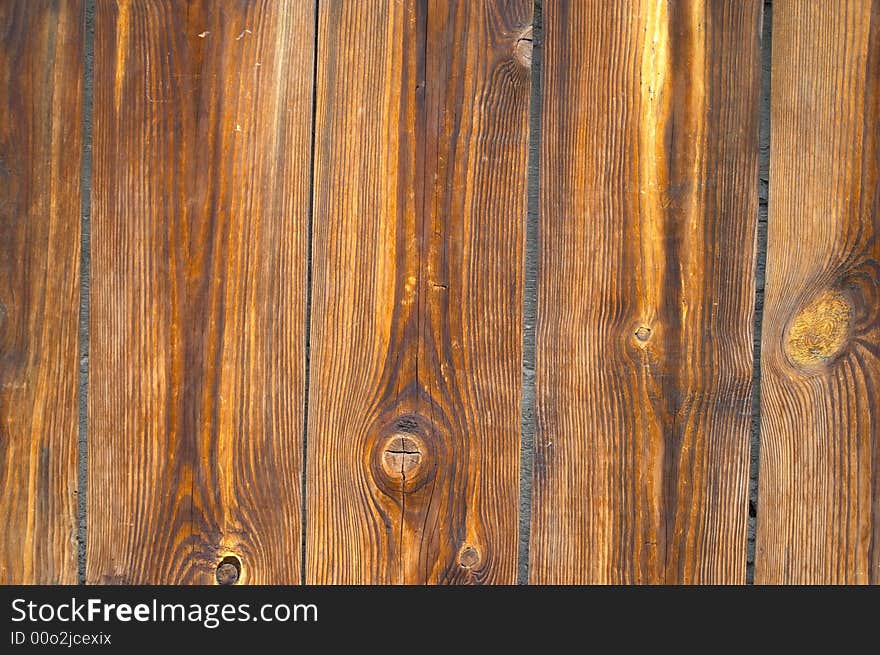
435, 291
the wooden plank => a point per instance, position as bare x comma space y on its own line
40, 156
819, 500
420, 200
645, 291
201, 195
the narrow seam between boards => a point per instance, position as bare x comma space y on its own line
530, 301
83, 336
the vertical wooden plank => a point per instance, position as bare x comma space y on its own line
819, 517
645, 301
40, 156
201, 194
420, 200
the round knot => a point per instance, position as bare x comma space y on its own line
228, 570
818, 332
469, 557
402, 455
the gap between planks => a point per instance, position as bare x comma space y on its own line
84, 300
760, 267
530, 300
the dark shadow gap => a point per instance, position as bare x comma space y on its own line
760, 268
85, 187
308, 312
530, 301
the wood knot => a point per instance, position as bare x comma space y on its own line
228, 570
819, 331
468, 557
522, 48
402, 453
402, 456
643, 333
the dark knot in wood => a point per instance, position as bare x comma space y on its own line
228, 570
469, 557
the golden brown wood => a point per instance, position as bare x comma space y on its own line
420, 200
646, 291
201, 178
819, 501
40, 152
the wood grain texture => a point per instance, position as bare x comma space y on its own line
40, 154
819, 511
645, 291
420, 201
199, 247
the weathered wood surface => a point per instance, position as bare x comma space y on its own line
206, 169
819, 497
40, 149
199, 248
646, 291
420, 200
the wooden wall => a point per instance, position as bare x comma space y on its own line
311, 258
